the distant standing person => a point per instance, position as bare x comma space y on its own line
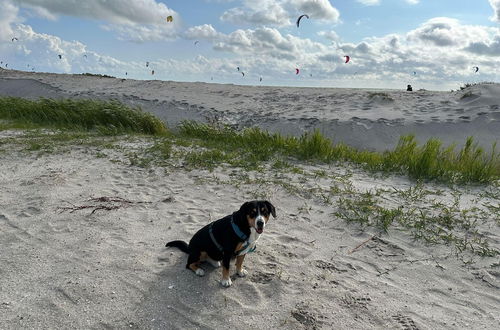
409, 89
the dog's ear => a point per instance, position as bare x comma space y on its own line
271, 208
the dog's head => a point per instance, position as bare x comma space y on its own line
258, 213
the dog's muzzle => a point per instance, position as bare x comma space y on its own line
259, 225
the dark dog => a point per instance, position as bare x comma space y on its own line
232, 236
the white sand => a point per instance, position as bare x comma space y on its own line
110, 269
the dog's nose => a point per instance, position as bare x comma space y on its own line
260, 224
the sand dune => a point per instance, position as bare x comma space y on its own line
367, 119
64, 266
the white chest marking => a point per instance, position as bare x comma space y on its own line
252, 242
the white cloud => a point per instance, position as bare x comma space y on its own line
258, 12
8, 15
205, 31
440, 50
330, 35
142, 33
495, 4
116, 11
137, 20
486, 47
412, 2
442, 32
268, 42
317, 9
280, 12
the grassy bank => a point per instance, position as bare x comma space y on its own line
430, 161
108, 117
213, 145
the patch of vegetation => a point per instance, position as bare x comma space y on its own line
252, 147
440, 224
97, 75
380, 95
466, 95
209, 145
107, 117
467, 85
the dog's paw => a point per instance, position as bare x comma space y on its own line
242, 273
214, 263
200, 272
226, 283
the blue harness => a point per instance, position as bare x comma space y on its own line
238, 233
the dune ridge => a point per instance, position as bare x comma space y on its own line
362, 118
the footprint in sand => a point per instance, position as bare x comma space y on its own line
30, 211
262, 277
305, 316
325, 265
405, 322
351, 301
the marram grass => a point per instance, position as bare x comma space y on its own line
250, 147
111, 117
431, 161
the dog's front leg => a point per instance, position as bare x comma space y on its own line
239, 266
226, 280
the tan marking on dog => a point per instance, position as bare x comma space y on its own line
203, 256
225, 273
194, 266
239, 247
251, 221
239, 262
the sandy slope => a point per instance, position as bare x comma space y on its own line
109, 269
368, 119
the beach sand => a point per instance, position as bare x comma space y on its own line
65, 266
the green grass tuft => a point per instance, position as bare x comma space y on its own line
109, 117
427, 162
252, 148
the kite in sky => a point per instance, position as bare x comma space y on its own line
300, 17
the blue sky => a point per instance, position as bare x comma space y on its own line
432, 44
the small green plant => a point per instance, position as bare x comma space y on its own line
466, 95
97, 75
380, 95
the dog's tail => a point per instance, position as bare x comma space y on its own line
181, 245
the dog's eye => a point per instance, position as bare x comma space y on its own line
253, 214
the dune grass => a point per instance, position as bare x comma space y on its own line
431, 161
253, 147
109, 117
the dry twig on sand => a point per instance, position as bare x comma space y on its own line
361, 244
100, 203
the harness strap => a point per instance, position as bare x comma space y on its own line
210, 231
237, 253
238, 231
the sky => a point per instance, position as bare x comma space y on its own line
430, 44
